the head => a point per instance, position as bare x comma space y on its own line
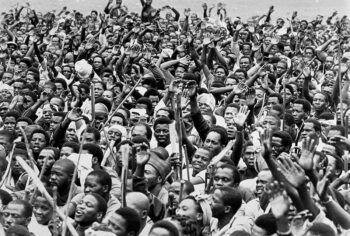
17, 212
281, 142
125, 222
301, 110
226, 201
216, 139
92, 208
162, 131
61, 174
226, 175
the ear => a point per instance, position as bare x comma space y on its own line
200, 217
28, 220
105, 188
144, 214
94, 161
227, 209
99, 216
159, 179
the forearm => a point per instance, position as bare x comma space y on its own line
167, 65
307, 200
238, 146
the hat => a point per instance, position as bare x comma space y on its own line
161, 152
8, 88
162, 166
101, 108
83, 69
12, 43
208, 99
121, 129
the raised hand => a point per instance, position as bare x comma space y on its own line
240, 88
278, 199
190, 90
250, 97
205, 6
185, 60
306, 160
265, 138
75, 114
241, 116
292, 172
187, 12
142, 157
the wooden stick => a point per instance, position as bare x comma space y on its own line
122, 102
40, 177
218, 157
340, 87
8, 169
92, 95
64, 226
125, 159
110, 146
187, 162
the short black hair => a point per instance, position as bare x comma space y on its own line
321, 229
267, 222
278, 96
132, 219
24, 119
339, 128
103, 178
105, 102
95, 132
28, 208
5, 197
101, 203
94, 150
61, 81
287, 140
231, 197
316, 123
161, 121
40, 131
73, 145
305, 103
171, 228
222, 131
12, 113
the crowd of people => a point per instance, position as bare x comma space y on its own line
169, 122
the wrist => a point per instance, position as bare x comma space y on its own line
326, 200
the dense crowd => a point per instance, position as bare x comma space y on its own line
161, 123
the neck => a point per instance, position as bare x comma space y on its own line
225, 220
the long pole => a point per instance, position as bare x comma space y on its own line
70, 194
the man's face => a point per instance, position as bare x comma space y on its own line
154, 100
244, 64
217, 205
117, 224
298, 113
200, 160
276, 146
48, 156
90, 138
264, 177
86, 211
220, 74
270, 121
65, 152
213, 141
271, 101
55, 122
329, 63
14, 214
162, 134
92, 185
223, 177
319, 102
162, 113
249, 157
100, 119
5, 141
152, 176
59, 177
59, 89
98, 90
281, 68
17, 87
139, 131
230, 112
116, 120
188, 208
42, 210
308, 130
37, 142
10, 123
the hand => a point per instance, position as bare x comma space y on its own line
265, 138
322, 186
206, 41
271, 9
241, 116
45, 95
75, 114
187, 12
190, 90
278, 199
64, 8
185, 60
292, 172
142, 157
205, 6
307, 72
240, 88
135, 51
295, 13
308, 150
250, 97
334, 14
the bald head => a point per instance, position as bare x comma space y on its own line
139, 202
67, 165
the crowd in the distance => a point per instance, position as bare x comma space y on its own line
170, 122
